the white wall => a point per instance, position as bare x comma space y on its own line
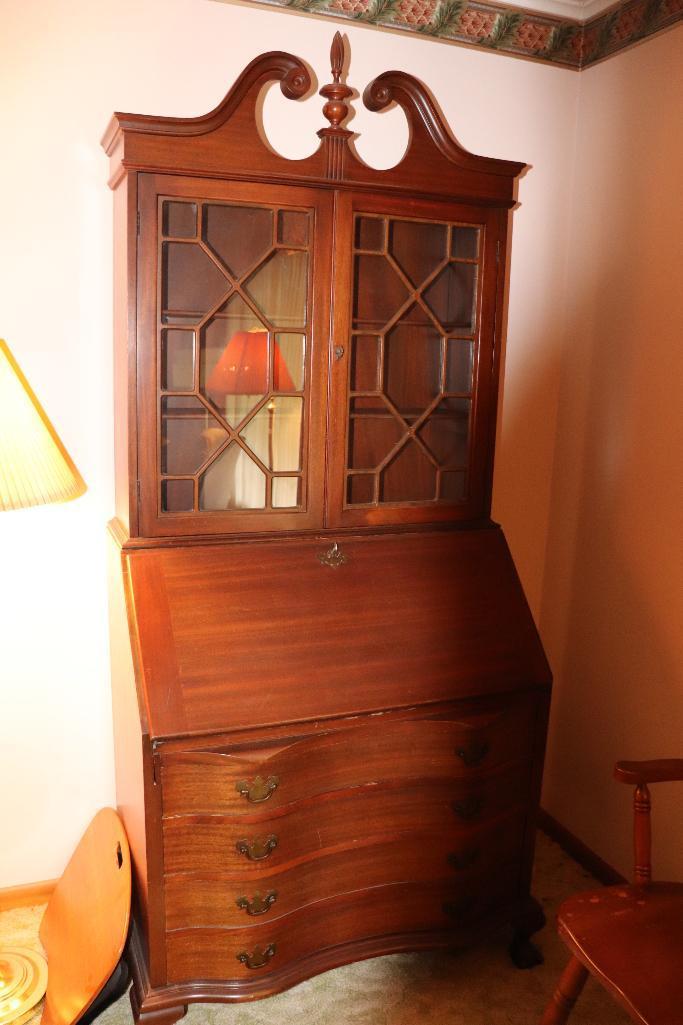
613, 596
63, 69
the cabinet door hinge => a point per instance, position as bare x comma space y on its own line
498, 247
137, 223
138, 489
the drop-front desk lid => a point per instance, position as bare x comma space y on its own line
240, 635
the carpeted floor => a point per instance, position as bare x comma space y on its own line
479, 987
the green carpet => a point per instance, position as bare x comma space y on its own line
479, 987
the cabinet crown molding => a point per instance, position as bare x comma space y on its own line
229, 141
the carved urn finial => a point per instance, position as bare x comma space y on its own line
336, 93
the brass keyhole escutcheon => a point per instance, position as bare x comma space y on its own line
258, 791
257, 850
258, 905
333, 557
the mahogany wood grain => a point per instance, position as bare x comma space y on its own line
138, 799
250, 741
383, 910
125, 349
446, 853
207, 781
85, 925
209, 842
223, 646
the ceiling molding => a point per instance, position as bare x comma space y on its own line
593, 32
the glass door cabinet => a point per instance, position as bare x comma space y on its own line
235, 329
330, 698
412, 395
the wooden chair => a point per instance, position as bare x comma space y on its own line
630, 938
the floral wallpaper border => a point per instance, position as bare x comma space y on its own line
495, 26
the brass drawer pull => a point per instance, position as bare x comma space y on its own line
464, 859
468, 808
257, 850
459, 908
258, 905
260, 790
259, 957
333, 557
473, 753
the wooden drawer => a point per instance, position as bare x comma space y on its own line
228, 899
246, 782
399, 909
210, 842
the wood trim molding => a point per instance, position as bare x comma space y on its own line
26, 896
579, 851
493, 25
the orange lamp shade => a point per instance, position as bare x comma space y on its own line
35, 468
242, 368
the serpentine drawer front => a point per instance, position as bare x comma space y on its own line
209, 842
380, 911
409, 818
446, 853
241, 783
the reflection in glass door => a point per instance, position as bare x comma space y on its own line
414, 325
234, 340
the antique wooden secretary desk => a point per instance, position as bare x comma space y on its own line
331, 712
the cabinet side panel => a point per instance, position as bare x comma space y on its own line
135, 788
125, 274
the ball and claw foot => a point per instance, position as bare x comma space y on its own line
524, 953
529, 919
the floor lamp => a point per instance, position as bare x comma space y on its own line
35, 469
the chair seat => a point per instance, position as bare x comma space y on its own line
631, 939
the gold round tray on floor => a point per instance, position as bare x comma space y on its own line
23, 980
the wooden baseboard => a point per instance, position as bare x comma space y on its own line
26, 896
578, 850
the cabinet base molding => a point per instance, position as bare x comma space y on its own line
167, 1004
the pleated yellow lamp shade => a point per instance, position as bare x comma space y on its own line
35, 468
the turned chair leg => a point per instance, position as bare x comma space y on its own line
565, 996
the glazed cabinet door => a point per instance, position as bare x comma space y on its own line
231, 352
412, 379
